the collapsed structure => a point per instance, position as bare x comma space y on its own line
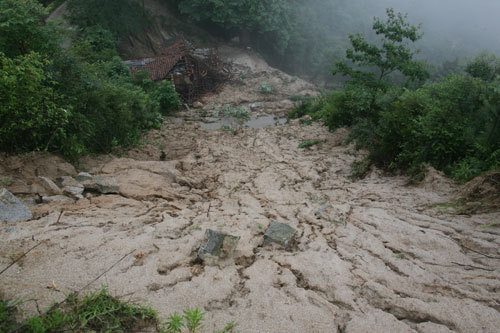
194, 73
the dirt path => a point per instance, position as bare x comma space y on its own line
371, 256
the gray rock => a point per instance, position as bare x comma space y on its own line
83, 177
12, 209
218, 245
66, 181
61, 199
279, 233
102, 185
254, 106
74, 192
50, 187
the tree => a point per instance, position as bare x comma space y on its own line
393, 54
270, 17
21, 31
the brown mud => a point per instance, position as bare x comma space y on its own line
376, 255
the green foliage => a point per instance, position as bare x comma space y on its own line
266, 88
121, 17
30, 117
485, 66
452, 124
164, 93
308, 143
392, 56
7, 315
97, 311
21, 31
192, 320
260, 19
241, 113
95, 44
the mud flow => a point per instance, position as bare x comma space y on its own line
376, 255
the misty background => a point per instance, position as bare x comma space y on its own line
454, 31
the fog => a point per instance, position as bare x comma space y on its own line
451, 27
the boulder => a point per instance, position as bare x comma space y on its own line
66, 181
83, 177
74, 192
50, 187
279, 233
102, 185
218, 245
12, 209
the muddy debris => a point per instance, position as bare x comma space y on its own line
12, 209
281, 234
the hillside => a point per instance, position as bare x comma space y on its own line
376, 255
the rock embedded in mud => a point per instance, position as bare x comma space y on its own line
102, 185
218, 245
57, 199
74, 192
280, 233
12, 209
50, 187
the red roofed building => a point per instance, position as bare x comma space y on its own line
192, 75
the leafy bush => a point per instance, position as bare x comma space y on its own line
30, 117
121, 17
164, 93
452, 125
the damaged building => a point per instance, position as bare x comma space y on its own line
194, 73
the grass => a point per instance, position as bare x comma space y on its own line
308, 143
100, 312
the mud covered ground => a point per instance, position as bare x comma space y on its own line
377, 255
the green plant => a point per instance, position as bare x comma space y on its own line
174, 324
266, 88
360, 169
194, 318
241, 113
167, 97
308, 143
229, 328
97, 311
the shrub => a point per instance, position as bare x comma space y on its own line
30, 117
266, 88
166, 96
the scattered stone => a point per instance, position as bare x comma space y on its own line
279, 233
334, 213
50, 187
66, 181
74, 192
254, 106
12, 209
83, 177
102, 185
59, 199
218, 245
198, 105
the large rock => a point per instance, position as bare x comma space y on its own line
84, 177
102, 185
50, 187
12, 209
57, 199
279, 233
218, 245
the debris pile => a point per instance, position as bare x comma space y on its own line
194, 72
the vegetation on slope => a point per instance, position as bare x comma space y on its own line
75, 100
406, 122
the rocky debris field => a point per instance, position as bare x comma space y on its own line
374, 255
293, 244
